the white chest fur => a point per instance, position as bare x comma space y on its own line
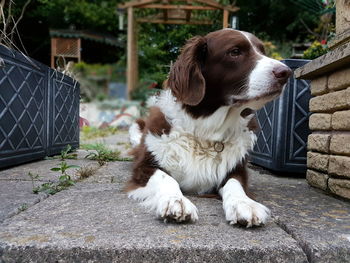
187, 152
194, 163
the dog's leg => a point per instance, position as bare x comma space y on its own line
162, 195
239, 208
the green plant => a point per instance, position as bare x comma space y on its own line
102, 154
33, 177
48, 188
315, 50
64, 180
23, 207
65, 153
101, 96
89, 132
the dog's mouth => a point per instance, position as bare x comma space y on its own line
246, 112
268, 95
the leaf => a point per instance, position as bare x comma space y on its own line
56, 169
90, 155
64, 177
72, 156
68, 148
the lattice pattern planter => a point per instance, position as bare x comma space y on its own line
282, 139
39, 110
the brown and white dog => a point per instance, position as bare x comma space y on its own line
198, 132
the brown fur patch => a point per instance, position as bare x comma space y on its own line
253, 124
185, 79
207, 60
144, 167
141, 124
156, 122
240, 173
145, 164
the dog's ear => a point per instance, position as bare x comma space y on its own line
185, 79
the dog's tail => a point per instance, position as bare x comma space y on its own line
135, 132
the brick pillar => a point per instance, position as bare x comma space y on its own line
328, 157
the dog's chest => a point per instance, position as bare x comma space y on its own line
198, 165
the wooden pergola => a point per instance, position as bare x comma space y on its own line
168, 12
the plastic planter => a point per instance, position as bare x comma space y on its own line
39, 109
284, 127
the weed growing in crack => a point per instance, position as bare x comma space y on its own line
51, 188
23, 207
102, 154
66, 153
85, 172
33, 177
65, 179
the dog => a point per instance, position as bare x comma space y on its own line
200, 128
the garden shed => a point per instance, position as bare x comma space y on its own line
67, 44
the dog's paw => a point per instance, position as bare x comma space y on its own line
179, 209
246, 212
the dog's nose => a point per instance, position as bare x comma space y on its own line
282, 73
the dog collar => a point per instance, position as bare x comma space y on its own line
219, 146
206, 145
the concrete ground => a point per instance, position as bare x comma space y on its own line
94, 221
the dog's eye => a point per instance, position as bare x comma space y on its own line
235, 52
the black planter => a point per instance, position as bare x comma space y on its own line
284, 127
39, 109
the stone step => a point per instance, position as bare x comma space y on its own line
94, 221
98, 224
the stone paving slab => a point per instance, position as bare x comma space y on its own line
320, 223
100, 224
94, 221
112, 172
16, 188
43, 169
16, 196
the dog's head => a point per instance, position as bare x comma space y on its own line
226, 68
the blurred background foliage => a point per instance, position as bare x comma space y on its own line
279, 23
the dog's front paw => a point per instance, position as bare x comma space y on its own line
246, 212
179, 209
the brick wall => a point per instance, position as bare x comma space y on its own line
328, 158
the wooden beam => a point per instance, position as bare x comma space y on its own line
165, 14
225, 19
188, 15
132, 58
183, 7
79, 49
175, 21
210, 3
53, 51
216, 4
135, 3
